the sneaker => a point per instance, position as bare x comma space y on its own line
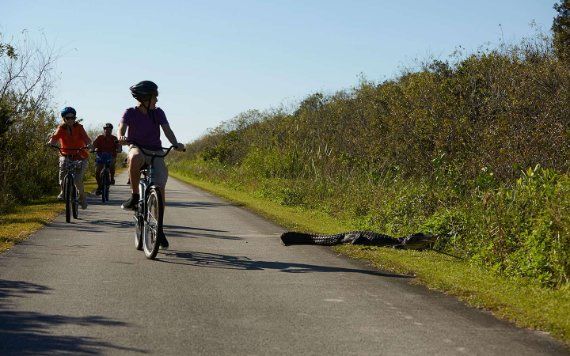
163, 242
99, 191
113, 181
131, 204
60, 196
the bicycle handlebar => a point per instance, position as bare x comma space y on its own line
168, 149
68, 149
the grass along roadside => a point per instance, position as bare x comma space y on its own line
522, 303
26, 219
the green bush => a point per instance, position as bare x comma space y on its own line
438, 150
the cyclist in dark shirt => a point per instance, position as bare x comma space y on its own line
107, 146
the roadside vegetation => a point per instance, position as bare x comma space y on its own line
28, 168
473, 148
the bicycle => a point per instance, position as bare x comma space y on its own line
70, 193
149, 212
105, 158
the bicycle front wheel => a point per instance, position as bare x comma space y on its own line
105, 182
74, 201
139, 227
153, 222
68, 195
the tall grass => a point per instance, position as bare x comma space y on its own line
475, 149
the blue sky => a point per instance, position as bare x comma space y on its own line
215, 59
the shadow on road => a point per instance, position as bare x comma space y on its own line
121, 224
32, 333
214, 260
74, 226
195, 232
198, 204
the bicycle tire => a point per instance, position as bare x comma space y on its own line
139, 226
105, 182
74, 202
152, 222
67, 196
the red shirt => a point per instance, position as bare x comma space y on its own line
108, 144
74, 137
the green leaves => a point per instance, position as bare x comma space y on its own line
438, 149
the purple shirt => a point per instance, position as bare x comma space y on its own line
143, 129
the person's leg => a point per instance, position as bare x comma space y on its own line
136, 160
98, 170
61, 176
112, 169
79, 183
161, 177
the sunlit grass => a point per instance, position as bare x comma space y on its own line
26, 219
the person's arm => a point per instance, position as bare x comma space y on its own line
87, 139
118, 147
54, 140
171, 137
121, 132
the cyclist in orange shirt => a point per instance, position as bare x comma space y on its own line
70, 134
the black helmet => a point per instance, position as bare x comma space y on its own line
68, 110
144, 90
108, 125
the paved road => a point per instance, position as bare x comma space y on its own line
225, 286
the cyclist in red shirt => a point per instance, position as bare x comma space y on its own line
106, 145
70, 134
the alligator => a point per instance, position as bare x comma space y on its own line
418, 241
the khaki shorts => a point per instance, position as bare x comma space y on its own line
79, 173
159, 167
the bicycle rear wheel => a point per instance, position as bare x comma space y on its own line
153, 222
68, 196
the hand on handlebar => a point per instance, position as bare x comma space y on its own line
179, 147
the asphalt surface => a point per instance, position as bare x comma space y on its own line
225, 286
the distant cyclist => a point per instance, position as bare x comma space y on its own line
107, 146
71, 135
143, 123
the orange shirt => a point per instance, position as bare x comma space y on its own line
108, 144
76, 137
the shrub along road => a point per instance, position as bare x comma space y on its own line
225, 286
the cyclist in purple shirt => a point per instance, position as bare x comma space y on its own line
143, 123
